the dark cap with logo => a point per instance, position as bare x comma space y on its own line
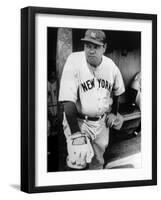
95, 36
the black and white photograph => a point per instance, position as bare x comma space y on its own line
94, 80
88, 99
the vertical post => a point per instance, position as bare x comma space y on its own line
64, 48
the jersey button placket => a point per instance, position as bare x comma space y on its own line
99, 106
99, 100
97, 97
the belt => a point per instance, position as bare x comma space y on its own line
86, 117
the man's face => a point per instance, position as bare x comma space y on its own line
94, 53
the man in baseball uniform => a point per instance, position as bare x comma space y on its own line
90, 86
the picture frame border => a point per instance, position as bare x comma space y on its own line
28, 98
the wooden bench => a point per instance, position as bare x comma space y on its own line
132, 120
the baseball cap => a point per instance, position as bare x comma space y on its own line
95, 36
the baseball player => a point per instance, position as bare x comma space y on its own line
89, 89
52, 103
136, 86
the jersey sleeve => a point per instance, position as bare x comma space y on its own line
118, 87
69, 81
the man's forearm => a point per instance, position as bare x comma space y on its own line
115, 105
71, 116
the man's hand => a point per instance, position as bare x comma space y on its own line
110, 119
115, 121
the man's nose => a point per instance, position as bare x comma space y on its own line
92, 50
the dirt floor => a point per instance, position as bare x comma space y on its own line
124, 153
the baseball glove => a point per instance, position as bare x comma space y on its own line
80, 151
114, 121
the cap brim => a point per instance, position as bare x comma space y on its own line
92, 41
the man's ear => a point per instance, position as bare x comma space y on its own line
105, 46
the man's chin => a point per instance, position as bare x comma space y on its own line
93, 62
